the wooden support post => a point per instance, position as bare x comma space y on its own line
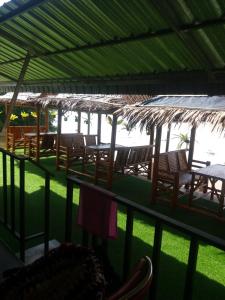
59, 128
46, 120
168, 137
112, 151
192, 145
89, 122
37, 154
156, 162
79, 122
99, 128
3, 134
16, 91
7, 129
151, 143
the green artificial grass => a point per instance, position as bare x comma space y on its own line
210, 276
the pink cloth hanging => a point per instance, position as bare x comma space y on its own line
97, 212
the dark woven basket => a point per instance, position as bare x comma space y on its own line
68, 272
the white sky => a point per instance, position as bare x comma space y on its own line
3, 1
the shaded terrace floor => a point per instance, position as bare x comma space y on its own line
211, 267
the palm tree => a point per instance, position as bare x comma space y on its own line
183, 139
109, 120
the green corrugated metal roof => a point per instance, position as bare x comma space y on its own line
115, 43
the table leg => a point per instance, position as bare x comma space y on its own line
191, 190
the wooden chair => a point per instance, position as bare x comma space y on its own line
174, 172
138, 160
71, 150
134, 160
137, 285
121, 159
47, 146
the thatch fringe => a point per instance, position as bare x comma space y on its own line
158, 116
79, 102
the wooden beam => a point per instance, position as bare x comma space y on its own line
89, 122
112, 152
168, 137
191, 146
151, 143
189, 82
79, 122
38, 120
46, 119
99, 129
59, 129
156, 163
16, 91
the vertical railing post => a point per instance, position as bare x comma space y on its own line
22, 209
47, 212
128, 243
69, 206
191, 267
5, 193
156, 258
12, 193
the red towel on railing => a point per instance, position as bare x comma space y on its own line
97, 212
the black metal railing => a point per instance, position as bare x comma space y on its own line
9, 194
196, 236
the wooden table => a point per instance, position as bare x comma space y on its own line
213, 174
101, 148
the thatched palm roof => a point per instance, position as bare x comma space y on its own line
168, 109
79, 102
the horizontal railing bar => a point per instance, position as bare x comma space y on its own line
19, 157
24, 157
187, 229
34, 236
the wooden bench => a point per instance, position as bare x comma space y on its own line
134, 160
174, 172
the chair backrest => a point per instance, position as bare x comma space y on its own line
173, 161
182, 159
48, 142
121, 157
139, 154
90, 139
78, 142
69, 139
137, 286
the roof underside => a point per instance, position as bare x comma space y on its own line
92, 46
188, 102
